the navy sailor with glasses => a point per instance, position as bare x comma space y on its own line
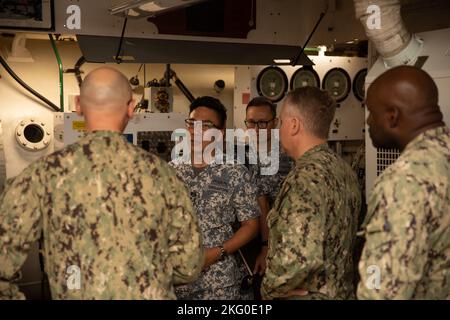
261, 113
222, 193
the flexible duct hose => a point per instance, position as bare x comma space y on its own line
390, 36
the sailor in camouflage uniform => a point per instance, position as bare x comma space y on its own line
267, 188
267, 174
261, 113
270, 185
407, 229
313, 222
358, 164
221, 194
116, 221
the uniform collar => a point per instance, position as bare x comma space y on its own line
312, 151
187, 162
425, 135
89, 136
105, 133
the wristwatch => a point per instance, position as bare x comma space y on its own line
223, 253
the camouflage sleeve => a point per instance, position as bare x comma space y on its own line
396, 250
20, 227
185, 240
264, 185
255, 179
244, 197
295, 240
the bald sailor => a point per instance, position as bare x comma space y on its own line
116, 222
407, 227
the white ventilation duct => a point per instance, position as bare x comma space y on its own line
385, 28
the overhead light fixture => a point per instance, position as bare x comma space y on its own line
282, 61
322, 50
352, 41
146, 8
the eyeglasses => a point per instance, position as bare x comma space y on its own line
205, 124
262, 124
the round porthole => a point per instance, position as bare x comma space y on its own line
303, 77
33, 135
359, 83
272, 83
338, 84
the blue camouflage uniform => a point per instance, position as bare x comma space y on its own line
221, 194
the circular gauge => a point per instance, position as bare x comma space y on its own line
272, 83
303, 77
337, 82
358, 84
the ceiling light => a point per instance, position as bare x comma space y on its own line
282, 61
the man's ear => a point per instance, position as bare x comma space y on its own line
296, 126
130, 108
392, 117
78, 106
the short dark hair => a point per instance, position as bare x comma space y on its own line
316, 106
213, 104
262, 102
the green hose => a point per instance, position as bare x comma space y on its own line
61, 78
312, 49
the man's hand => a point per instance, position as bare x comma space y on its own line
260, 264
211, 257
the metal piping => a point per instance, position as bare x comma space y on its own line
25, 86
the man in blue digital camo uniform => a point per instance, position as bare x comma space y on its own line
222, 194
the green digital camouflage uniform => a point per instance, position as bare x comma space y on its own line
407, 228
106, 208
359, 166
312, 229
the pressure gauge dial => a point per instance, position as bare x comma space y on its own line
359, 84
303, 77
337, 82
272, 83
